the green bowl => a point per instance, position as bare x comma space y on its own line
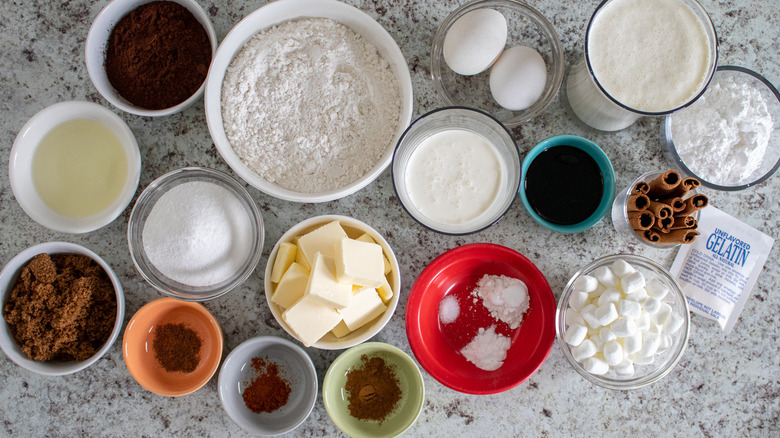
410, 381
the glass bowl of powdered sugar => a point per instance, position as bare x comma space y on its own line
729, 138
195, 234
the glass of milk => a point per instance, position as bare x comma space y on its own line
641, 57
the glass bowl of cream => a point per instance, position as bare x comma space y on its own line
456, 170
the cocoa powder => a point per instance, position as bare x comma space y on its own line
373, 390
158, 55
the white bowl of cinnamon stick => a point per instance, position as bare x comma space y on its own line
660, 209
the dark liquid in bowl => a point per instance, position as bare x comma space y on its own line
564, 185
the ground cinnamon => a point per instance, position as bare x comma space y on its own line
372, 389
177, 347
158, 55
268, 391
63, 307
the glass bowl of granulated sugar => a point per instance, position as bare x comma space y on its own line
312, 121
729, 139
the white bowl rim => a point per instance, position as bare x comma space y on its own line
9, 275
97, 38
345, 342
250, 345
277, 12
26, 143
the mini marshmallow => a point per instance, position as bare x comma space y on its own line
625, 368
573, 317
673, 323
595, 366
651, 305
606, 314
632, 343
589, 315
666, 342
606, 277
598, 343
583, 351
643, 322
606, 334
578, 300
632, 282
575, 334
613, 353
623, 327
660, 317
657, 289
639, 295
629, 309
610, 295
621, 268
585, 283
597, 291
641, 360
650, 344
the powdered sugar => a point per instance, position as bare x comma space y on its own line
723, 136
505, 297
310, 105
487, 350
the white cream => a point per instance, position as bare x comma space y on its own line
454, 176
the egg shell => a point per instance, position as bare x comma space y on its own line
475, 41
518, 77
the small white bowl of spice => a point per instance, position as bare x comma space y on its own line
195, 234
74, 167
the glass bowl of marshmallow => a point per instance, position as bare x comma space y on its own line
622, 322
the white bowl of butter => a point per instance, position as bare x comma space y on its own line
74, 167
347, 292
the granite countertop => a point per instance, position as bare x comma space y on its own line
723, 386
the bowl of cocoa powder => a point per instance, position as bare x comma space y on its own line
150, 58
63, 308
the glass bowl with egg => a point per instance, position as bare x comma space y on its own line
622, 322
456, 170
500, 56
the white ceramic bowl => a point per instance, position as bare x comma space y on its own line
21, 162
354, 229
278, 12
97, 41
8, 277
295, 366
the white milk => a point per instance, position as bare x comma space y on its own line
650, 55
454, 176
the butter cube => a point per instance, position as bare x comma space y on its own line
366, 238
285, 257
310, 319
364, 307
291, 287
341, 330
300, 258
322, 283
359, 263
323, 240
385, 292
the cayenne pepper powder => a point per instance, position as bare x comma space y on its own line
177, 347
372, 389
158, 55
268, 391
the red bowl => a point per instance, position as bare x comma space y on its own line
437, 346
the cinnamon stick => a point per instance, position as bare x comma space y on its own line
676, 203
660, 210
677, 236
686, 185
664, 225
693, 204
641, 187
637, 202
683, 222
641, 220
663, 184
651, 236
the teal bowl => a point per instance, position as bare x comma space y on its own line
607, 174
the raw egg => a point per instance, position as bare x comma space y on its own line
475, 41
517, 78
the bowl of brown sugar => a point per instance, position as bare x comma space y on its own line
63, 308
150, 58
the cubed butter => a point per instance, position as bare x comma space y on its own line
291, 287
323, 284
364, 307
285, 257
366, 238
385, 292
311, 318
300, 258
322, 240
359, 263
341, 330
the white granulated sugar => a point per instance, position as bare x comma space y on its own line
505, 297
487, 350
309, 105
197, 233
723, 136
449, 309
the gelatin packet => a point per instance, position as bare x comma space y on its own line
719, 269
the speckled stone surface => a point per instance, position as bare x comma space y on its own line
723, 386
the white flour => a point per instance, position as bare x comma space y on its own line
487, 350
723, 136
310, 105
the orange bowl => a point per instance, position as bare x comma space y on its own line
140, 358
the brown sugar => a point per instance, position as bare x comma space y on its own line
63, 307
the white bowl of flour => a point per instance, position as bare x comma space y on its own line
306, 99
